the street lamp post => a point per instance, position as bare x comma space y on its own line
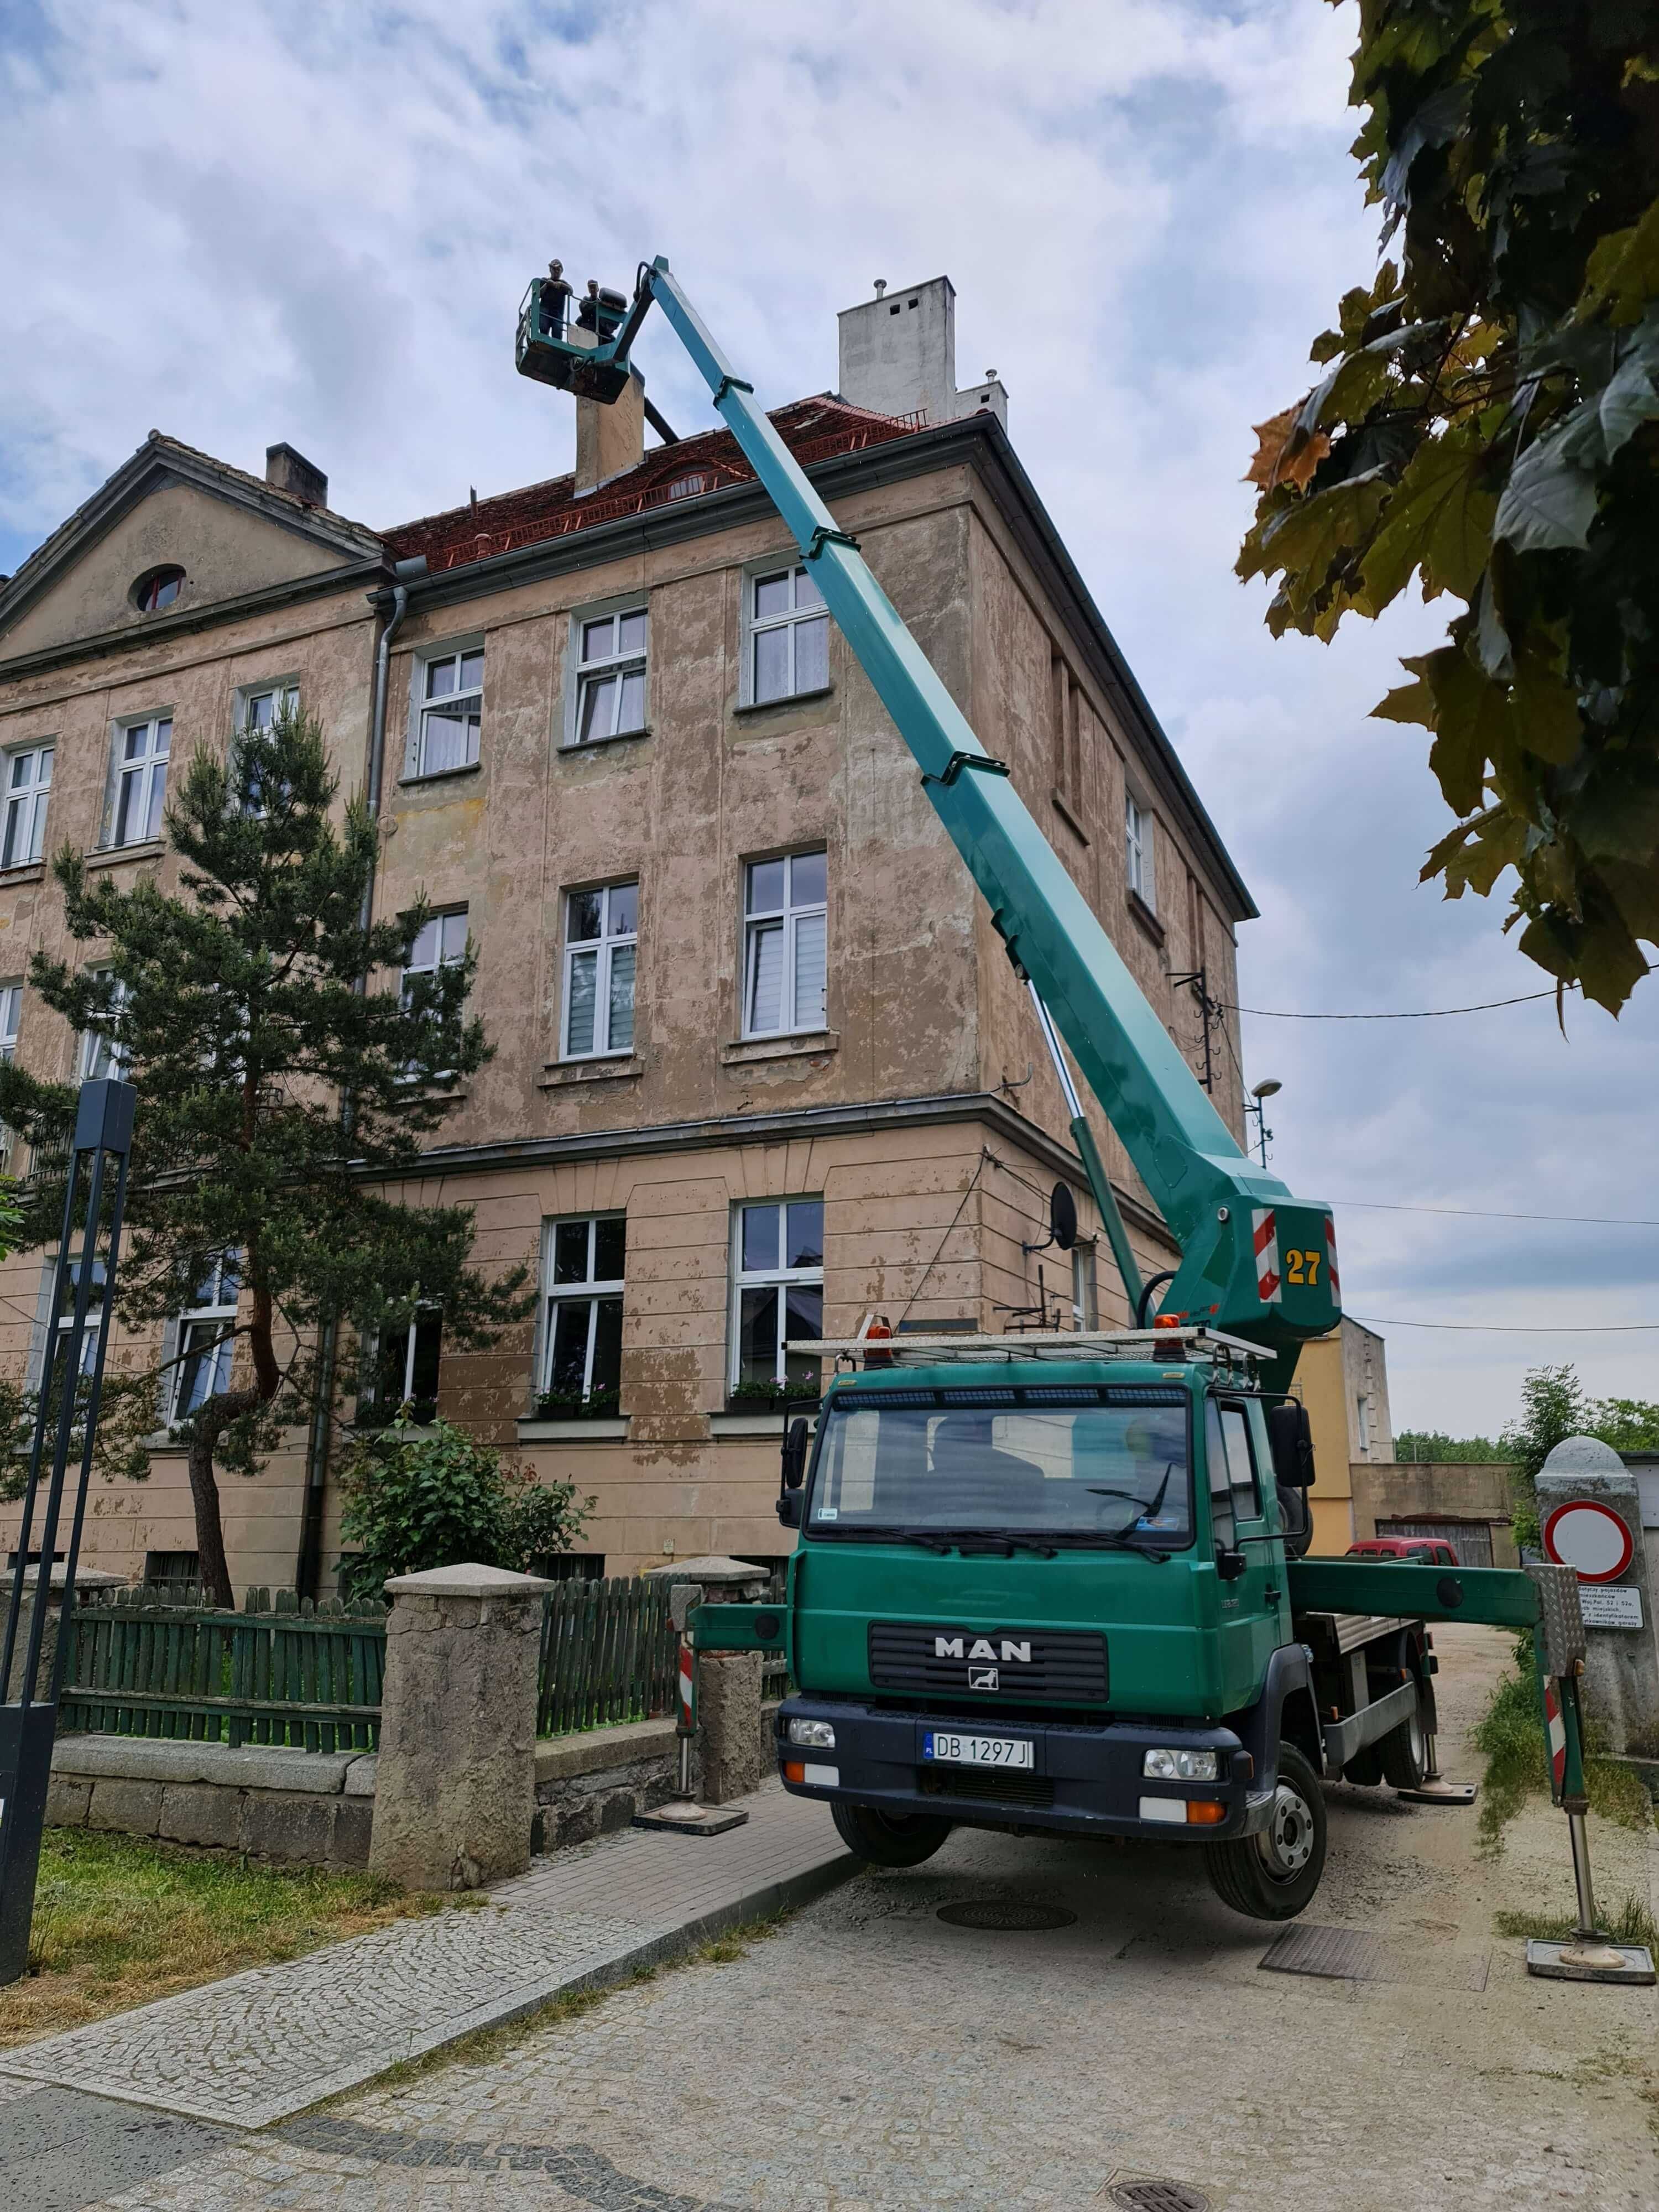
1263, 1133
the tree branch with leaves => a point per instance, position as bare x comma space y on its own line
1487, 426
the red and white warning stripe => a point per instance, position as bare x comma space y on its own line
1264, 1224
687, 1698
1557, 1729
1330, 1261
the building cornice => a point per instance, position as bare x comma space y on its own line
726, 1132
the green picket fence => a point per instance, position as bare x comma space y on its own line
608, 1655
282, 1671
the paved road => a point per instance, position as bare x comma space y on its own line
870, 2057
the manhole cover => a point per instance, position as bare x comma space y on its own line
1157, 2196
1007, 1914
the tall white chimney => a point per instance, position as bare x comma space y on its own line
898, 355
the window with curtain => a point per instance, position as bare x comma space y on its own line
601, 947
785, 921
29, 788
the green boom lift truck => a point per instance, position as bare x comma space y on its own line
1053, 1582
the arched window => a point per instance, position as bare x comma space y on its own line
156, 589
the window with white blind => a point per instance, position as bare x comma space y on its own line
786, 649
601, 947
11, 1015
1137, 851
777, 1289
785, 918
610, 671
28, 787
450, 712
581, 1355
205, 1342
143, 752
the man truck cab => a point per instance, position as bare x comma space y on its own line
1050, 1594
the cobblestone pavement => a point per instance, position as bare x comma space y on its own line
871, 2059
270, 2042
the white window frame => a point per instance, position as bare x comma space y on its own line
779, 1277
28, 802
211, 1316
101, 1056
11, 1015
603, 948
1140, 863
1086, 1287
577, 671
590, 1291
66, 1318
413, 967
758, 922
427, 1314
455, 649
282, 688
141, 770
755, 626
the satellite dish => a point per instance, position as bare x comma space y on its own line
1062, 1215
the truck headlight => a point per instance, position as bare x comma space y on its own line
818, 1735
1167, 1766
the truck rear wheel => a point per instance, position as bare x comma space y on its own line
1404, 1752
888, 1839
1273, 1875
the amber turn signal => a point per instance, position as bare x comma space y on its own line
1204, 1812
794, 1770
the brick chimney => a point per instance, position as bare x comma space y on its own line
291, 471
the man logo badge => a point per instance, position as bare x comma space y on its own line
1012, 1650
981, 1678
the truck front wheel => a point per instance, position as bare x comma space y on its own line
1273, 1875
888, 1839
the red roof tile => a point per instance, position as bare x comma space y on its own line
813, 429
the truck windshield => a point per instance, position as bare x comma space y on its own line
1116, 1473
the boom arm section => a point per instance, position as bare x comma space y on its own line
1254, 1261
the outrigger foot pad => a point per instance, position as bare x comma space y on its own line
1589, 1959
684, 1819
1436, 1792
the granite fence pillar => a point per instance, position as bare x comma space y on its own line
455, 1783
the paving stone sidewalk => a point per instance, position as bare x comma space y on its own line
266, 2043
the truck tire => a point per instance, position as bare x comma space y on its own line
1272, 1876
1365, 1767
888, 1839
1404, 1752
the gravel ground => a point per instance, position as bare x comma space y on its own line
869, 2058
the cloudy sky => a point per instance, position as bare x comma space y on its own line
251, 221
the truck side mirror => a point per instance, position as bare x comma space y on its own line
1289, 1435
794, 1455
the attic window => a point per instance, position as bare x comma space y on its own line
687, 487
157, 589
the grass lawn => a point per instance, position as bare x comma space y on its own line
119, 1921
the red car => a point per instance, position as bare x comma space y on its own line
1421, 1550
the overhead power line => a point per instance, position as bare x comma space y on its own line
1517, 1329
1485, 1214
1430, 1014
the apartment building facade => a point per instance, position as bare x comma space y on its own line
761, 1065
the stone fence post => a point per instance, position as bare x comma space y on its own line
733, 1752
455, 1782
87, 1580
1621, 1663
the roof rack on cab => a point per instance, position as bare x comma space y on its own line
1189, 1344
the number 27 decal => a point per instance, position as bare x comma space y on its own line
1302, 1266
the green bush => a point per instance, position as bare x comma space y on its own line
432, 1498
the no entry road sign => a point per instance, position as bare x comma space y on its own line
1590, 1538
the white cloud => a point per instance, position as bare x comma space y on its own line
258, 223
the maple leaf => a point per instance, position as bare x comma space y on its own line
1280, 457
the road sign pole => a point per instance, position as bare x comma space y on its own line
28, 1722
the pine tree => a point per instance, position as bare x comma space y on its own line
281, 1087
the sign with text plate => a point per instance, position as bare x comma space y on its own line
1610, 1608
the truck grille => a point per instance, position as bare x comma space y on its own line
1063, 1663
987, 1785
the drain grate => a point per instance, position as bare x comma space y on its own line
1354, 1954
1157, 2197
1006, 1915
